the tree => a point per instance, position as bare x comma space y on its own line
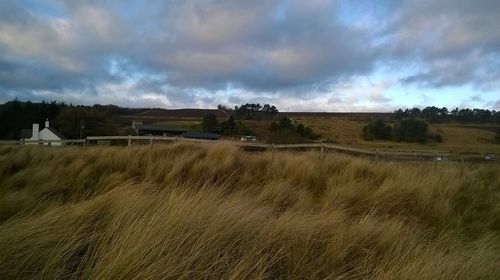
285, 123
309, 134
81, 121
16, 115
282, 123
223, 108
411, 130
377, 129
269, 110
255, 111
300, 129
399, 114
229, 126
210, 123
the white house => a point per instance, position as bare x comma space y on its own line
48, 133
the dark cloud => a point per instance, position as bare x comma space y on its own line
197, 43
497, 105
456, 41
187, 52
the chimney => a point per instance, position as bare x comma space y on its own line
46, 123
34, 135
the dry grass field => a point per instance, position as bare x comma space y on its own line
185, 211
457, 138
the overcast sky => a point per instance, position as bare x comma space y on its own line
302, 55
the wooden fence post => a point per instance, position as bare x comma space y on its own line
273, 149
129, 141
322, 150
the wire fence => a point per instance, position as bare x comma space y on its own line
416, 155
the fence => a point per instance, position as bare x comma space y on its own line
322, 147
45, 142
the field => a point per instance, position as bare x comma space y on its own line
459, 138
185, 211
345, 129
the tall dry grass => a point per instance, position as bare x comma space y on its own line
187, 211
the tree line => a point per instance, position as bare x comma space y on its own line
284, 123
435, 114
252, 111
72, 121
230, 127
406, 130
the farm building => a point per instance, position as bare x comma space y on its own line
201, 135
46, 134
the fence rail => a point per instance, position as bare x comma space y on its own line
244, 144
412, 154
43, 142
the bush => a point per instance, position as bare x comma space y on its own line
210, 123
377, 129
411, 130
283, 124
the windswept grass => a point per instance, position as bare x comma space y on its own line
187, 211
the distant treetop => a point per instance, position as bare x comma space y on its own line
255, 111
435, 114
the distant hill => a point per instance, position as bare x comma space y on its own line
180, 113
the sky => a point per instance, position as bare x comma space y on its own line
300, 55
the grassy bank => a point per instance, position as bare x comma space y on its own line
187, 211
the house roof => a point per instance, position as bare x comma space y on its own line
201, 135
57, 133
159, 128
26, 133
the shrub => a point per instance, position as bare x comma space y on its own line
377, 129
411, 130
210, 123
283, 124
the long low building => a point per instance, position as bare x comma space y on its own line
201, 135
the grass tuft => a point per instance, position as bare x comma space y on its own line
185, 211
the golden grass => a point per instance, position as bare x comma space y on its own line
187, 211
456, 137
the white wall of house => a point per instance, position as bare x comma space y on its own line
46, 134
36, 132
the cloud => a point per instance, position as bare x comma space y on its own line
199, 53
196, 44
456, 41
496, 106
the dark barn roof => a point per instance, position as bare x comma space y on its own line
201, 135
57, 133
